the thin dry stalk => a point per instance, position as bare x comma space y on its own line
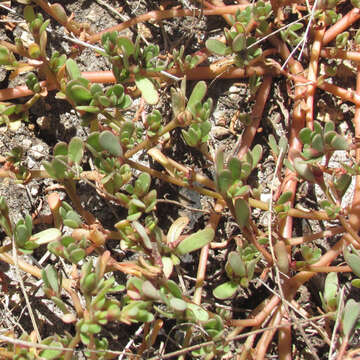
23, 290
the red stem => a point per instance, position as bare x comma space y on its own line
312, 76
261, 97
346, 21
354, 213
158, 15
107, 77
298, 122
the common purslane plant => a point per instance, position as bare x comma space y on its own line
148, 105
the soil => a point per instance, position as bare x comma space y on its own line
52, 120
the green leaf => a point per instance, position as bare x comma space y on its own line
77, 255
59, 166
338, 142
237, 264
142, 232
150, 291
331, 286
191, 137
93, 141
196, 96
126, 132
144, 316
75, 150
85, 339
88, 108
177, 101
74, 217
174, 289
273, 145
239, 43
329, 126
199, 313
329, 136
234, 166
50, 354
283, 144
147, 89
305, 135
178, 304
29, 14
126, 45
224, 181
353, 260
72, 69
50, 278
342, 183
284, 198
242, 212
176, 229
78, 93
168, 266
216, 47
256, 155
317, 143
219, 160
142, 184
46, 236
34, 51
110, 142
49, 169
350, 317
61, 148
304, 170
195, 241
22, 235
28, 223
225, 290
59, 13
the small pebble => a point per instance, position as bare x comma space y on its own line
265, 197
37, 152
92, 15
30, 162
26, 38
44, 123
220, 132
34, 190
26, 143
234, 89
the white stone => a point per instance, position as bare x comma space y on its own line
37, 152
26, 143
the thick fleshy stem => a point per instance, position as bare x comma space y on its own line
333, 53
291, 286
201, 272
312, 76
60, 16
158, 15
354, 213
345, 22
298, 122
107, 77
247, 137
